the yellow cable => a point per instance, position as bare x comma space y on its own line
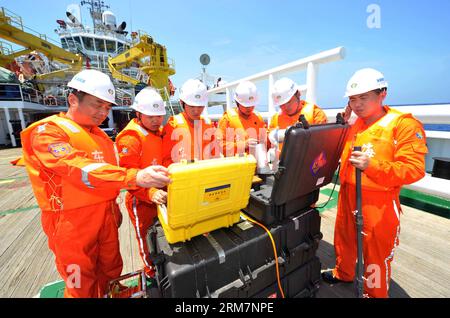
274, 250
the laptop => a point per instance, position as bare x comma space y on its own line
308, 161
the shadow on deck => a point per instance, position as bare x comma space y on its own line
342, 290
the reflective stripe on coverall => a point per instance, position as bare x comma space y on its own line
140, 148
75, 180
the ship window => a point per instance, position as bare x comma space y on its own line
10, 92
64, 43
110, 46
88, 43
119, 46
100, 45
77, 39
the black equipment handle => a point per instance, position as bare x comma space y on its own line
359, 233
303, 121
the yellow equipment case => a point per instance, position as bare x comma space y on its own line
205, 195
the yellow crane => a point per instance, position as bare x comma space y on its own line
145, 54
8, 55
13, 30
152, 61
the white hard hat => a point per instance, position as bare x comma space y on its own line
365, 80
246, 94
94, 83
194, 93
283, 90
149, 102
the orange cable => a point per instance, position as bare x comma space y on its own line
274, 250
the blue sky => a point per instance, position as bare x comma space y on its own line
243, 37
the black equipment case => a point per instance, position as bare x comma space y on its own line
236, 261
304, 282
308, 160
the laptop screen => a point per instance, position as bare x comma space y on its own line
308, 160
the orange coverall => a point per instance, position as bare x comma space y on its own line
313, 114
239, 130
140, 148
185, 140
397, 146
76, 179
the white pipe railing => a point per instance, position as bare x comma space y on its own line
310, 63
427, 114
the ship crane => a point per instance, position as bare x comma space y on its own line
152, 62
13, 30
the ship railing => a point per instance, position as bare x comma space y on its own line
136, 36
15, 92
436, 114
438, 141
124, 97
310, 64
12, 18
32, 96
171, 63
6, 48
158, 64
16, 21
91, 31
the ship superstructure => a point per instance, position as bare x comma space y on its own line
34, 77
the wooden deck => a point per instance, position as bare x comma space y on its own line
420, 268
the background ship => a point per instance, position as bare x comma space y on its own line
36, 69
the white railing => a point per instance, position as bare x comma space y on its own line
75, 31
310, 63
427, 114
6, 48
438, 142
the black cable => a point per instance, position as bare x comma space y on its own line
332, 191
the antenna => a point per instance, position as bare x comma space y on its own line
96, 10
204, 60
131, 17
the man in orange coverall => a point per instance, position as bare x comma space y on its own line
393, 154
242, 127
286, 95
74, 172
140, 145
188, 135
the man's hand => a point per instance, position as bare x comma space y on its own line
359, 160
347, 113
159, 197
153, 177
251, 142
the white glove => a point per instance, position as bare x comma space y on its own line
277, 136
153, 177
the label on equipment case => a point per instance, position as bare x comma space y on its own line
216, 194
